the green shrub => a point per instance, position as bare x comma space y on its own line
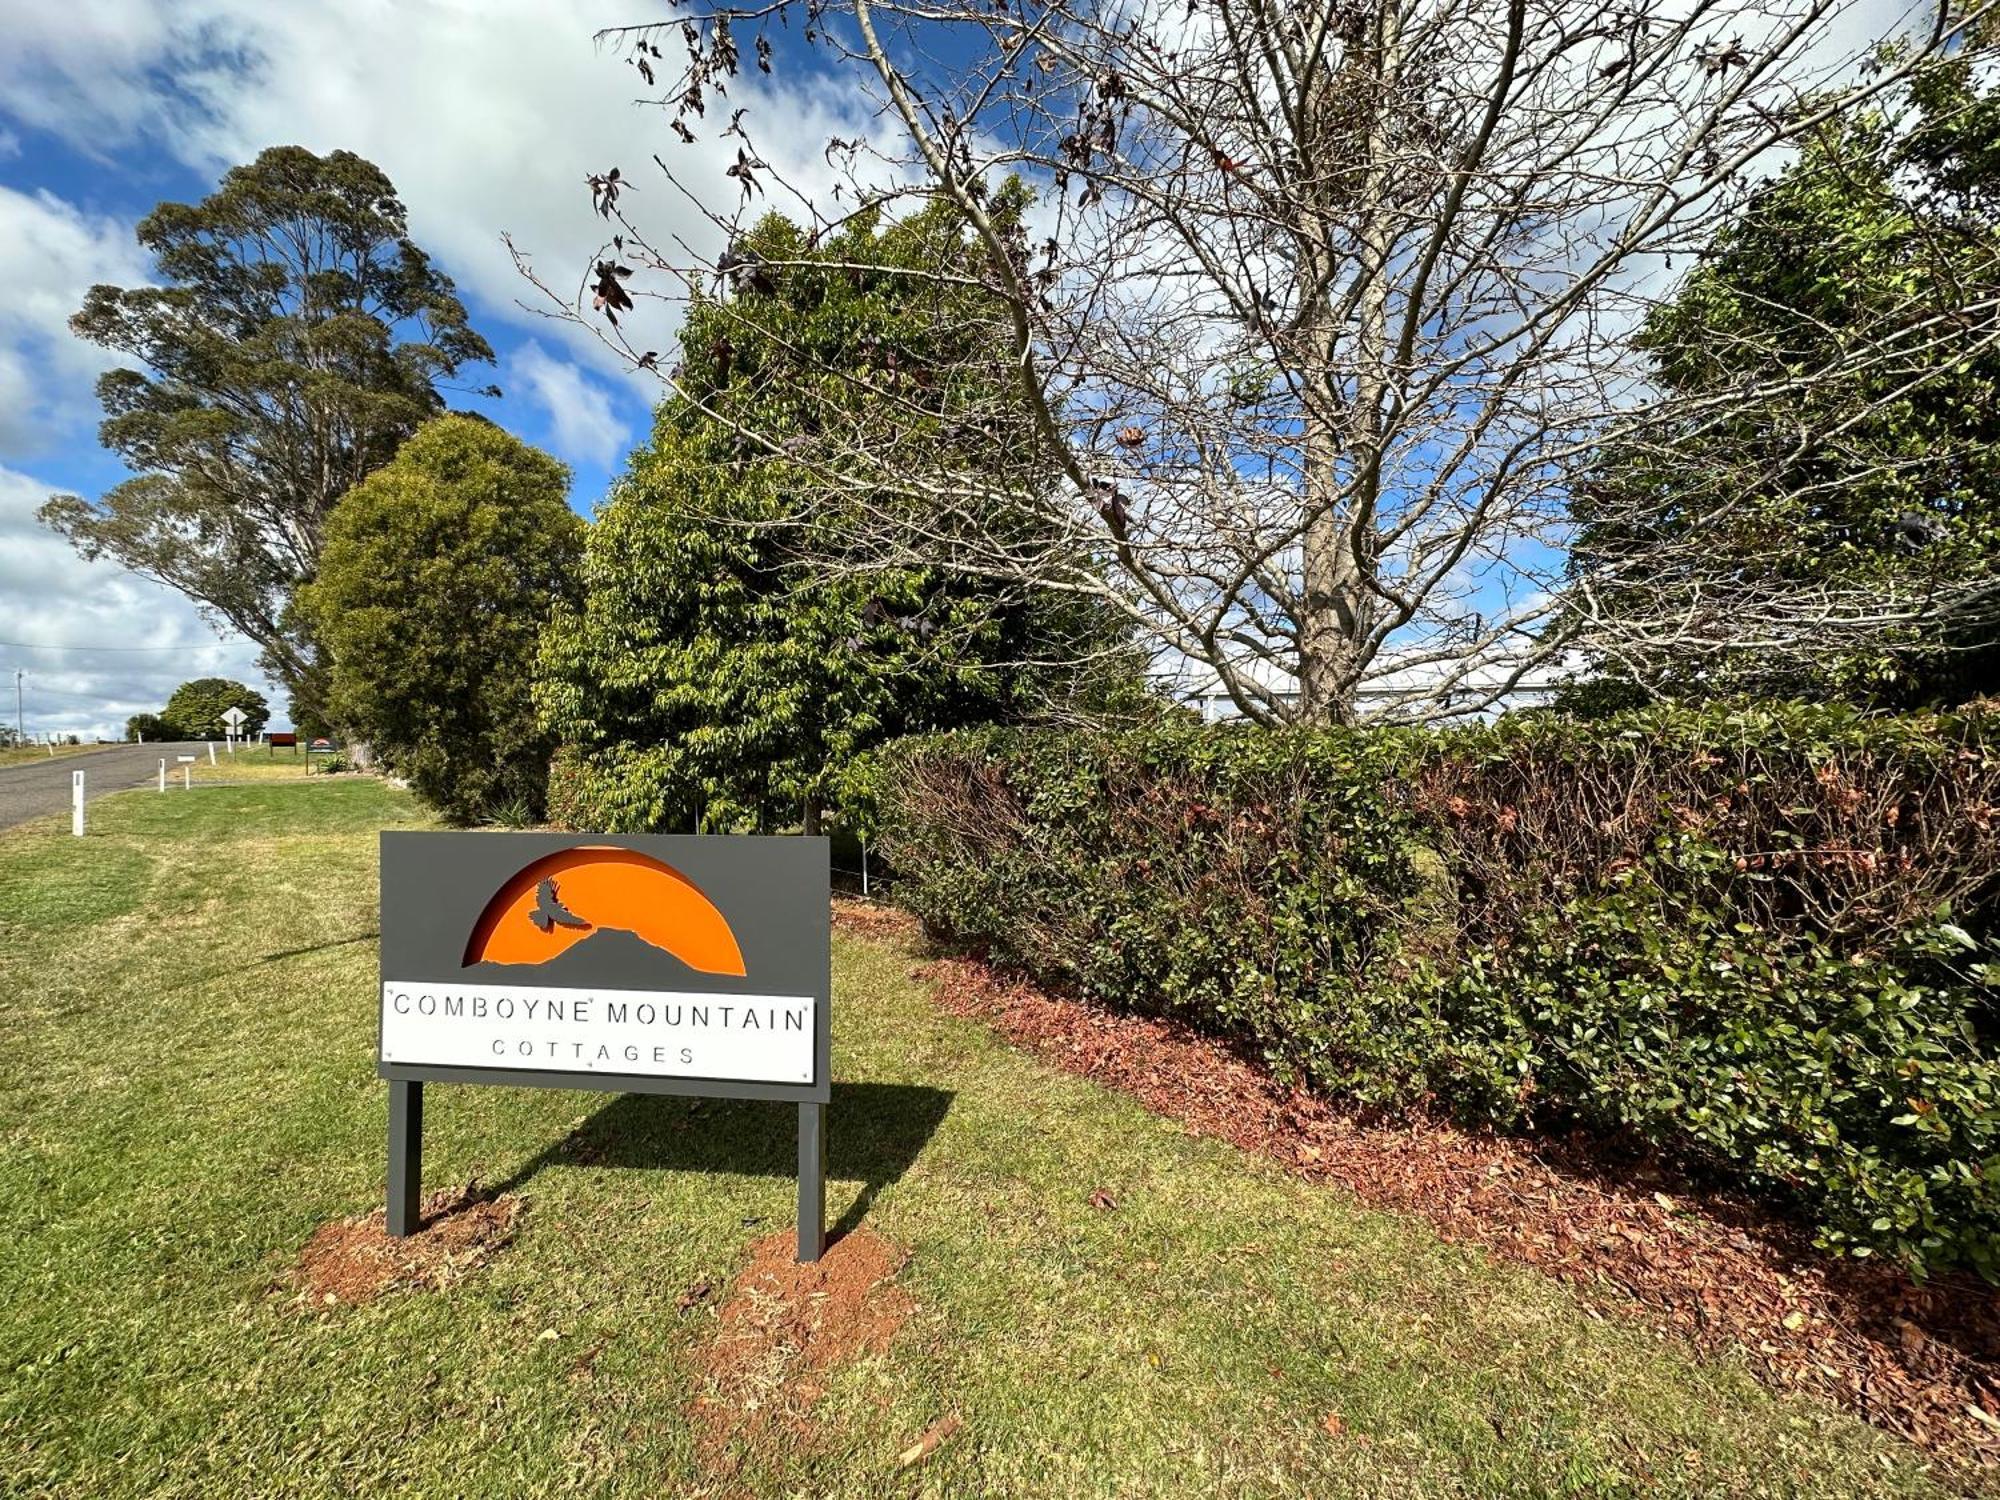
148, 727
438, 574
1749, 939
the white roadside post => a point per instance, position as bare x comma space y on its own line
187, 769
163, 773
211, 752
76, 803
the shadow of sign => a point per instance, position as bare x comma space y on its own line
882, 1129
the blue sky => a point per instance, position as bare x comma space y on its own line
487, 114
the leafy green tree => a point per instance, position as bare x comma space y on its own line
439, 572
726, 660
195, 710
147, 727
297, 336
1841, 534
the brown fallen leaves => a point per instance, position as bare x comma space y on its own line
786, 1327
354, 1260
1714, 1269
871, 919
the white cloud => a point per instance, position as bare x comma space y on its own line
587, 430
51, 597
487, 114
50, 254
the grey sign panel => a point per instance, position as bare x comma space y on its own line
645, 963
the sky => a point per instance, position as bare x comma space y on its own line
486, 114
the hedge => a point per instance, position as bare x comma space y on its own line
1759, 942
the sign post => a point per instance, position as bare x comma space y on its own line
232, 722
655, 964
76, 803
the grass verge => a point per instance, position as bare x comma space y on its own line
1103, 1303
27, 755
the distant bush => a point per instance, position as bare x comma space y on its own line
194, 710
147, 727
1759, 941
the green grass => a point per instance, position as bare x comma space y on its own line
18, 755
187, 1078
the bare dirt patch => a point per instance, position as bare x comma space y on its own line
1709, 1267
354, 1261
786, 1328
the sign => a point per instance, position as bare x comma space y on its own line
281, 737
234, 717
668, 964
319, 747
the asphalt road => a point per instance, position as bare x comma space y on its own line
41, 787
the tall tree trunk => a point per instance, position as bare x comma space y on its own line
1340, 543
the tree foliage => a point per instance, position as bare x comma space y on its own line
195, 709
439, 572
1864, 496
296, 337
724, 662
148, 727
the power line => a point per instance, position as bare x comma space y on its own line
49, 692
45, 646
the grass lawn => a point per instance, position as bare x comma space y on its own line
187, 1081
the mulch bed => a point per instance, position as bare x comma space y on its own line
354, 1261
1712, 1268
786, 1327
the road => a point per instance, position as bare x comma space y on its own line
39, 788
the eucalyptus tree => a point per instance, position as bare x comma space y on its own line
296, 336
1321, 307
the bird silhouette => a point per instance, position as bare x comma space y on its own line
550, 913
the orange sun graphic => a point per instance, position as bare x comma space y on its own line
562, 898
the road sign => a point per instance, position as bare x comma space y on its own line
234, 717
659, 964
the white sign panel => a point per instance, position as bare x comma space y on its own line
662, 1034
233, 716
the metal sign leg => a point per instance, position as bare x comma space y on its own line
406, 1156
812, 1181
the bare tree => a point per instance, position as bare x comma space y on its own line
1321, 305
